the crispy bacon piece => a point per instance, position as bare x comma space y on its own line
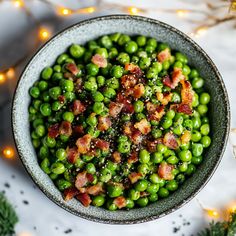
62, 99
69, 76
133, 157
164, 98
72, 154
128, 81
116, 157
81, 180
83, 143
176, 76
134, 177
134, 69
186, 92
101, 144
138, 91
127, 105
104, 123
184, 108
165, 171
70, 193
53, 131
170, 141
164, 55
95, 189
65, 128
99, 60
156, 112
72, 68
134, 134
152, 145
115, 109
84, 198
78, 85
120, 202
143, 126
78, 107
185, 137
78, 130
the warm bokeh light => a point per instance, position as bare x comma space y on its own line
64, 11
182, 13
44, 33
8, 152
212, 213
201, 31
18, 3
24, 234
10, 73
133, 10
2, 78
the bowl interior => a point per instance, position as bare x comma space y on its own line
132, 25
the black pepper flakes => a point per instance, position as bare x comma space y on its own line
176, 229
25, 202
7, 185
68, 231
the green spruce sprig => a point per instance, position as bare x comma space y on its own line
8, 217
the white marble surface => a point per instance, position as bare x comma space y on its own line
48, 218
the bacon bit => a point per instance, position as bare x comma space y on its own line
144, 194
138, 91
95, 189
62, 99
185, 137
156, 112
152, 145
53, 131
165, 171
164, 98
186, 92
185, 108
78, 84
84, 198
115, 109
120, 202
83, 143
99, 60
128, 81
134, 177
81, 180
133, 157
116, 157
65, 128
78, 130
78, 107
134, 134
164, 55
134, 69
104, 123
70, 193
72, 154
127, 105
143, 126
89, 177
101, 144
170, 141
69, 76
72, 68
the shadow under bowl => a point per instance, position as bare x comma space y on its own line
82, 32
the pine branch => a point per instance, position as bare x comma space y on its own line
232, 225
8, 217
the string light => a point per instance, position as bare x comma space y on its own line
64, 11
2, 78
200, 31
212, 213
18, 3
44, 33
133, 10
10, 74
8, 152
88, 10
182, 12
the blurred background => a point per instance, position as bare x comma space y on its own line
25, 25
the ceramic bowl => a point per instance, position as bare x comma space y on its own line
90, 29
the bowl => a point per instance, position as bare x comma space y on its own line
219, 111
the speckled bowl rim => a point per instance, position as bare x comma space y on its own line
197, 189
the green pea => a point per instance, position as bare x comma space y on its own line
61, 154
172, 185
45, 109
183, 167
123, 39
68, 116
123, 58
166, 65
36, 104
36, 143
138, 106
141, 185
47, 73
35, 92
57, 168
206, 141
141, 40
98, 201
178, 129
148, 91
180, 57
129, 203
156, 157
105, 175
90, 85
87, 56
175, 97
193, 74
54, 92
102, 51
144, 156
43, 152
117, 71
92, 120
186, 70
196, 122
205, 129
153, 197
166, 122
67, 85
122, 138
37, 122
151, 73
125, 117
56, 77
76, 51
143, 169
100, 80
142, 202
109, 92
161, 148
204, 98
92, 69
111, 206
113, 83
45, 165
63, 184
144, 62
152, 188
196, 160
32, 110
50, 142
163, 192
113, 53
202, 109
43, 85
191, 169
114, 191
140, 116
197, 83
90, 168
56, 106
156, 133
197, 149
196, 136
124, 147
185, 155
172, 160
98, 107
157, 66
61, 58
170, 114
57, 68
195, 101
40, 130
106, 42
178, 64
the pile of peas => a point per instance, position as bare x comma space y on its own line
100, 87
